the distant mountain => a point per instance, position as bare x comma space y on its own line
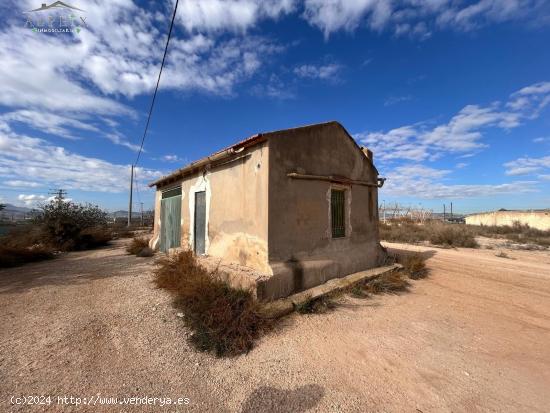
12, 212
124, 214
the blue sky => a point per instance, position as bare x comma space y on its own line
452, 96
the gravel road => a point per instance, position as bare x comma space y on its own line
474, 336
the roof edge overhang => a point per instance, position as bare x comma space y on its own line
222, 155
209, 161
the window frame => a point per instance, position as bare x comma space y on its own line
334, 234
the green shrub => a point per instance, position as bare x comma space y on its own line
223, 319
69, 226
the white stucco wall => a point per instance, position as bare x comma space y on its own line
535, 219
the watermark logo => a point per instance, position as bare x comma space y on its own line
57, 17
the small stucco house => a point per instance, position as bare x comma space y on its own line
297, 205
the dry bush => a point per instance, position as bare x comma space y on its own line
146, 252
406, 232
437, 233
517, 233
414, 265
13, 256
137, 245
390, 283
319, 305
223, 319
502, 254
93, 237
122, 230
68, 226
452, 235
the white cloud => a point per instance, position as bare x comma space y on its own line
49, 122
542, 139
172, 158
59, 84
34, 73
429, 183
461, 135
273, 88
23, 158
232, 15
21, 184
324, 72
418, 18
119, 139
334, 15
31, 199
527, 166
392, 100
461, 165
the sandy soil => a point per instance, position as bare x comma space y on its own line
474, 336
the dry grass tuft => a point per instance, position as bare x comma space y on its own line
517, 233
146, 252
18, 255
502, 254
437, 233
414, 265
137, 245
391, 283
224, 320
319, 305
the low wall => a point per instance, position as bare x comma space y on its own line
535, 219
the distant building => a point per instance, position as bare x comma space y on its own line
539, 219
297, 205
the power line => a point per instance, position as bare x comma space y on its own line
150, 113
136, 179
157, 86
59, 194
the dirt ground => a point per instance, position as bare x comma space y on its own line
473, 336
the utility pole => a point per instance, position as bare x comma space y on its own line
131, 193
141, 207
451, 210
444, 213
59, 194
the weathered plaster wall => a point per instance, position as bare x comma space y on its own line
302, 252
236, 209
155, 240
535, 219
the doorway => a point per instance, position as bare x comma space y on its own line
200, 223
170, 219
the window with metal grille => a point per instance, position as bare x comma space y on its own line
337, 208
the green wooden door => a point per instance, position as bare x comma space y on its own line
170, 222
200, 222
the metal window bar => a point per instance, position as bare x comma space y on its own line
337, 207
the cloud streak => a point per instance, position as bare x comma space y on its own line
418, 18
424, 182
22, 157
463, 133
